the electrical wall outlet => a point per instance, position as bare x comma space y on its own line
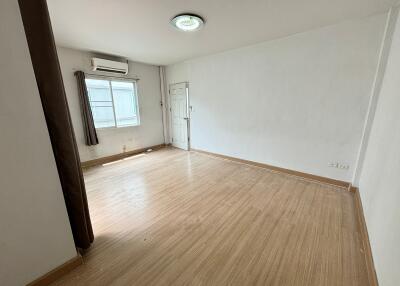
337, 165
344, 166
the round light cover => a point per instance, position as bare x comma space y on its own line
187, 22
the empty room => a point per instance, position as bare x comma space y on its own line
200, 142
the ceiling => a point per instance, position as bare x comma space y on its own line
140, 30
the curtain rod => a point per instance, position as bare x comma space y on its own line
110, 76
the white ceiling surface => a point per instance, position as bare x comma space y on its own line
140, 30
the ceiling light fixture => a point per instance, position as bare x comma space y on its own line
187, 22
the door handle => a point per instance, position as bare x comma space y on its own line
186, 118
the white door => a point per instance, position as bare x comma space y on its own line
179, 100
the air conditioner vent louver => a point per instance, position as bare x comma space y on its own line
110, 70
109, 66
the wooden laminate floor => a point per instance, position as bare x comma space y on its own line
183, 218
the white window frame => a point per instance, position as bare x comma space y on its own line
110, 79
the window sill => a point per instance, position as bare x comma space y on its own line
117, 128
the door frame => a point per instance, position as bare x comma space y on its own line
188, 108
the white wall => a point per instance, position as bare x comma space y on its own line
35, 235
112, 140
298, 102
376, 89
379, 181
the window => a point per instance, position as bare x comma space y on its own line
113, 103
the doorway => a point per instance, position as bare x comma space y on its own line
179, 115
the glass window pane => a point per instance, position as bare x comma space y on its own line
98, 90
103, 116
100, 102
125, 103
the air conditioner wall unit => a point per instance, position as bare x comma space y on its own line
109, 66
